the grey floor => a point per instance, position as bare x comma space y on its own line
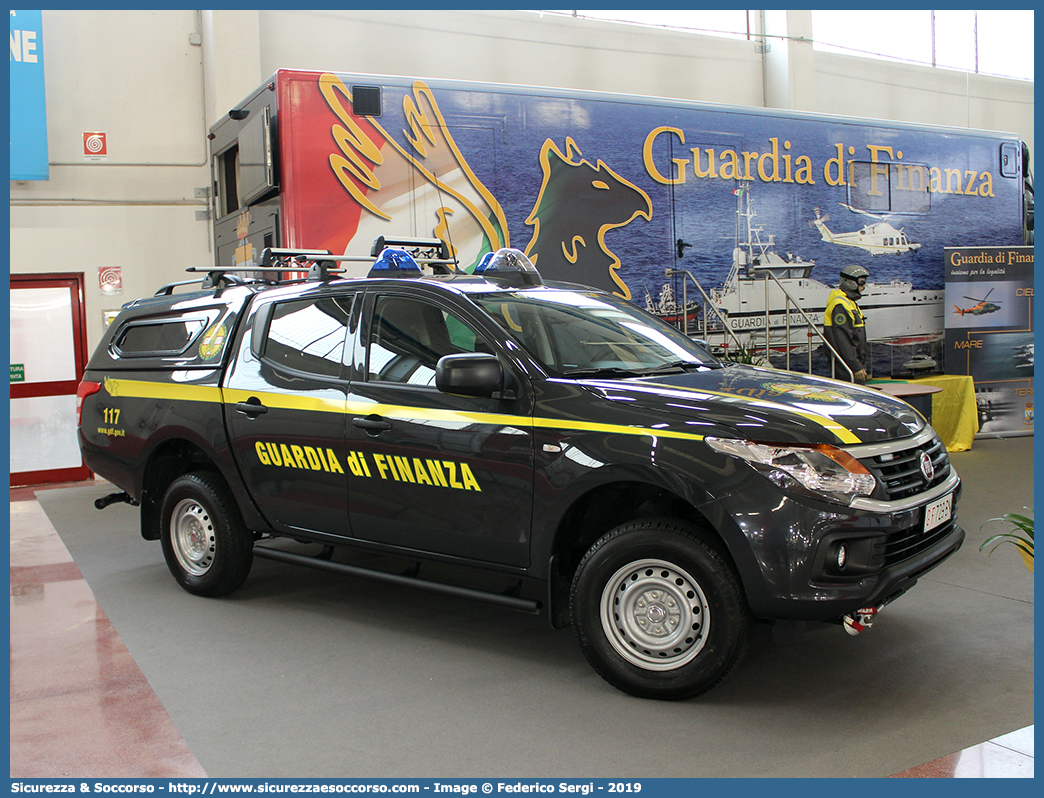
307, 674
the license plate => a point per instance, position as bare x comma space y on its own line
938, 512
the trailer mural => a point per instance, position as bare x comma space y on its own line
613, 191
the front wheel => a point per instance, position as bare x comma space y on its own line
205, 544
657, 612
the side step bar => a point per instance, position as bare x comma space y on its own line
510, 602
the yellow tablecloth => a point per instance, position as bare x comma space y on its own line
954, 414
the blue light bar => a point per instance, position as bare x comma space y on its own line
395, 263
510, 266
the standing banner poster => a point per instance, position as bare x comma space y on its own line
28, 105
989, 332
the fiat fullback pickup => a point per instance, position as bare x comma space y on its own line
543, 446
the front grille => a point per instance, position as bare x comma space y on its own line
902, 544
899, 475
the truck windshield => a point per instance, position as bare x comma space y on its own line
588, 334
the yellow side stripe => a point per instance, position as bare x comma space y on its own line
204, 393
843, 433
619, 429
286, 401
141, 389
147, 390
406, 413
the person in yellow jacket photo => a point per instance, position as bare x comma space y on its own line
844, 325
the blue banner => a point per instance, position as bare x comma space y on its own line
28, 103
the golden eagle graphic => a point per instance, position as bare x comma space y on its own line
421, 184
577, 205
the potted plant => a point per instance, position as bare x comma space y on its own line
1021, 536
743, 354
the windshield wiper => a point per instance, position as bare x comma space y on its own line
616, 371
684, 365
609, 371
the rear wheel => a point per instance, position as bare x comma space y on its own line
657, 612
205, 544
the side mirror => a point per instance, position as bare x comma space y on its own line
468, 374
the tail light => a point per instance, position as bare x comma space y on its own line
83, 390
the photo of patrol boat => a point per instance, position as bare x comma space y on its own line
1023, 356
895, 312
667, 308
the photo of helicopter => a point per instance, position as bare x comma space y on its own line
877, 238
981, 309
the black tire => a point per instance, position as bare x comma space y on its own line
205, 544
657, 612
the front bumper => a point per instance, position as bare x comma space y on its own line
785, 548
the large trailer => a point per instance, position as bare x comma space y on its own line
706, 214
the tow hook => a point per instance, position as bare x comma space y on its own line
114, 498
861, 620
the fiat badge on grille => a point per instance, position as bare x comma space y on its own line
927, 468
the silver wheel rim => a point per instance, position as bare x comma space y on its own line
655, 615
192, 537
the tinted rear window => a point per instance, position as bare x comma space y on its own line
164, 338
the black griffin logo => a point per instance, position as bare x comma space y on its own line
578, 204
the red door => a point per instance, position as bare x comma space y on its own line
48, 356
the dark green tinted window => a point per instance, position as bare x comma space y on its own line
308, 335
164, 338
408, 336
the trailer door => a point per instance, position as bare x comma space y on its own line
703, 173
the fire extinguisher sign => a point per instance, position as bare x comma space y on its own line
110, 280
95, 148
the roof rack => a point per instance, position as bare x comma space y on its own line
230, 275
275, 263
431, 251
420, 249
168, 289
321, 264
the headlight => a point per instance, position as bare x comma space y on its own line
821, 468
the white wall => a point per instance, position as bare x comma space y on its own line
905, 92
137, 76
515, 47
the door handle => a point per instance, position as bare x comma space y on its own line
372, 425
252, 407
